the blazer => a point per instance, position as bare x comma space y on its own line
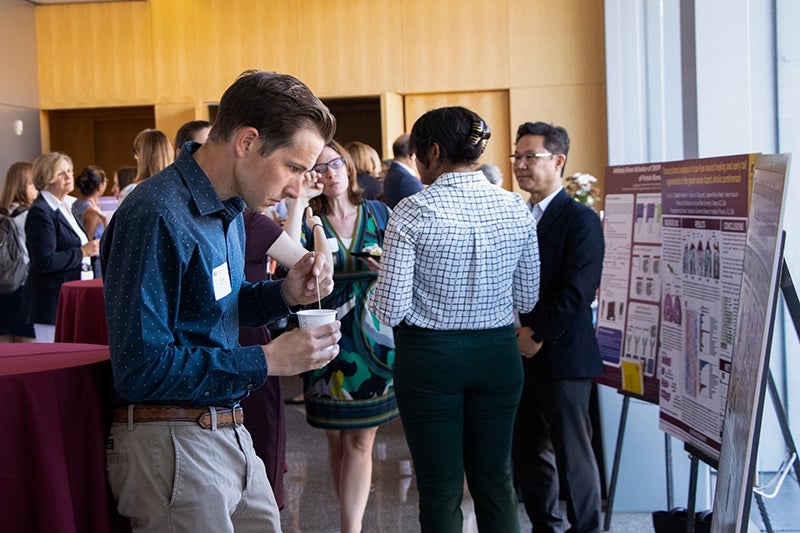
371, 186
55, 252
571, 250
398, 184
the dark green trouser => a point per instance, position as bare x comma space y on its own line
458, 393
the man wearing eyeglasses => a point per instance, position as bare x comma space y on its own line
553, 433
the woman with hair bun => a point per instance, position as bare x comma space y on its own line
92, 183
458, 259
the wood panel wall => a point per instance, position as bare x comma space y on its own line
177, 55
101, 136
95, 55
492, 106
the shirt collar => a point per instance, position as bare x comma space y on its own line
456, 179
546, 200
51, 200
408, 168
203, 193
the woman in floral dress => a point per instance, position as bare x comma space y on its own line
354, 394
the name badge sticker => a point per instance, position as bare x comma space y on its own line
222, 281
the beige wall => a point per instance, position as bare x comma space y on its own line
18, 54
19, 96
546, 58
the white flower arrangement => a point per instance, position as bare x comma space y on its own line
581, 187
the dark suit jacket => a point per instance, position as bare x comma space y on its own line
371, 186
571, 250
398, 184
55, 252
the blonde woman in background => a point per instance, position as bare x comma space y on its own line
153, 152
368, 168
15, 200
58, 247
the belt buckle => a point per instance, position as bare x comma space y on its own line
208, 420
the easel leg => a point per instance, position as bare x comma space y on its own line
615, 467
763, 511
793, 304
668, 467
782, 421
790, 296
692, 494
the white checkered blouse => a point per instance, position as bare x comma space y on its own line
461, 254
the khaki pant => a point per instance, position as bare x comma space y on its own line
178, 477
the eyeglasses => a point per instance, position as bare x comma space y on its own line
333, 163
529, 157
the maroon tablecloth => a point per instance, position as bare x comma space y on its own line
27, 358
81, 313
54, 406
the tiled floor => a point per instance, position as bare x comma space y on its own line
392, 507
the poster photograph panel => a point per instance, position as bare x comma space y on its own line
704, 226
628, 311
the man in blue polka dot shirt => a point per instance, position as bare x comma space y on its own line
178, 455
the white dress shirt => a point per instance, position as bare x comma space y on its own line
66, 212
542, 206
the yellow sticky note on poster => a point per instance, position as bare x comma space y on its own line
633, 376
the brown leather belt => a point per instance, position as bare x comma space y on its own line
165, 413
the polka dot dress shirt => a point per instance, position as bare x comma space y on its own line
169, 253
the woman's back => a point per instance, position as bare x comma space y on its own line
464, 254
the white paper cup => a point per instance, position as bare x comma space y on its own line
309, 318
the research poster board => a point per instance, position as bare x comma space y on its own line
628, 311
743, 411
704, 228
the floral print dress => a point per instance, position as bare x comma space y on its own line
356, 390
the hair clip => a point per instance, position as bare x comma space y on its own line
480, 131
